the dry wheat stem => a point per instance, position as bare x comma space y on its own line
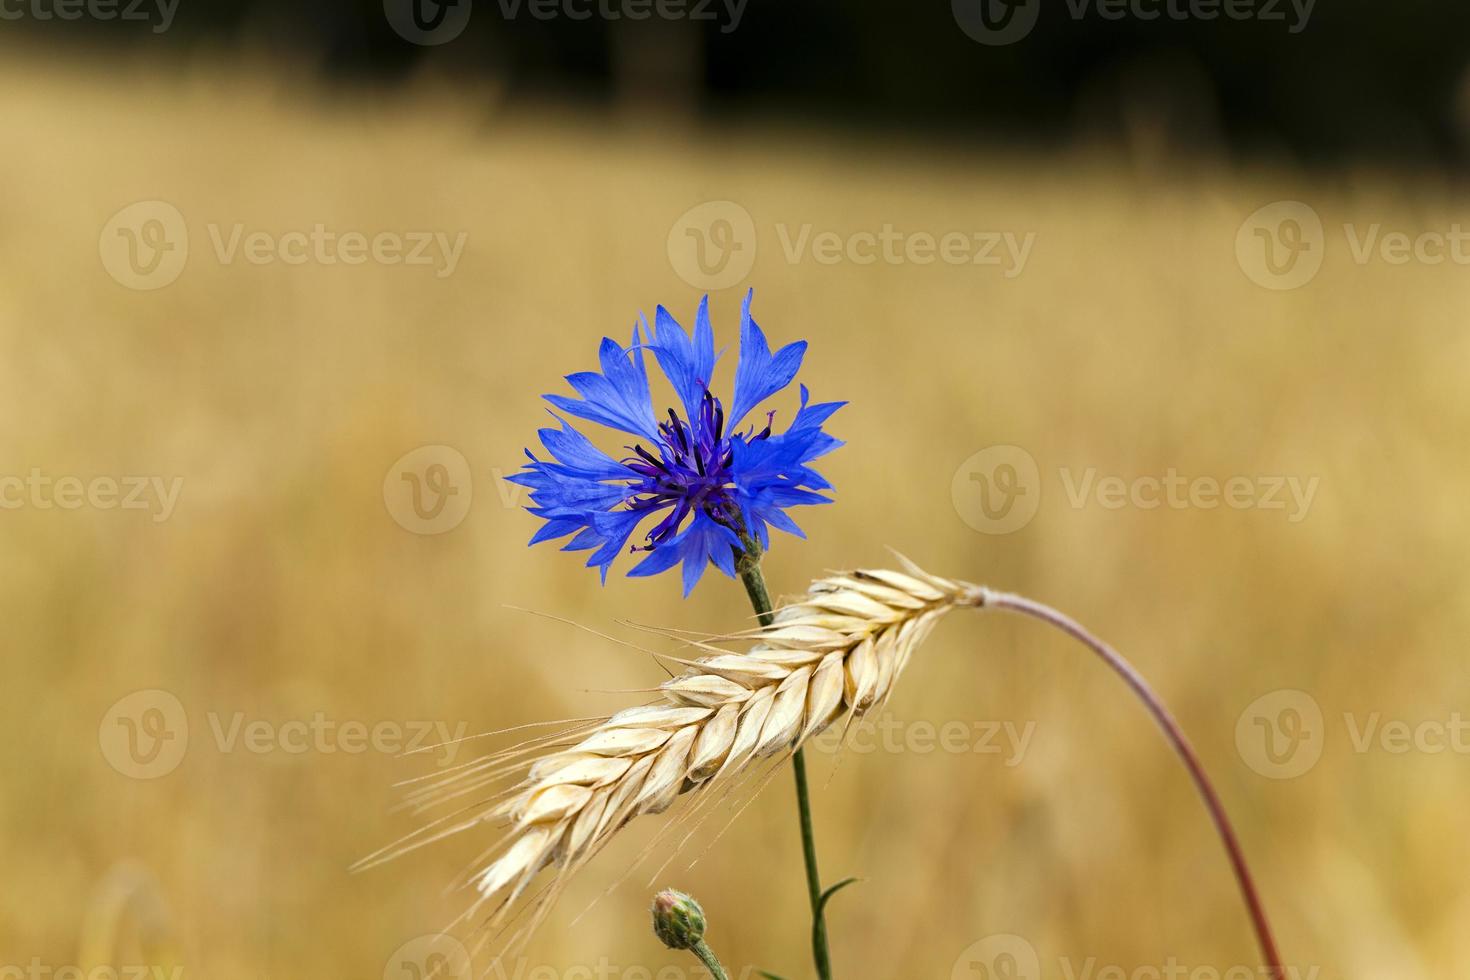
1261, 925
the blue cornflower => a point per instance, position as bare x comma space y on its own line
705, 489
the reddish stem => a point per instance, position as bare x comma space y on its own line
1172, 731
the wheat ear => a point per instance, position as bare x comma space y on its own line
832, 655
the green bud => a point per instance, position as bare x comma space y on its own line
678, 921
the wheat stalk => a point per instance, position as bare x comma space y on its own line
832, 655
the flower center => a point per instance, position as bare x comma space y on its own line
689, 472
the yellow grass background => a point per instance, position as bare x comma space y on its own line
281, 587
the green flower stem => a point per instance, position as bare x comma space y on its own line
708, 958
749, 565
813, 877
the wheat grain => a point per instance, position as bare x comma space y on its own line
834, 654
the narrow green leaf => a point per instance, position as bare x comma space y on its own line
827, 895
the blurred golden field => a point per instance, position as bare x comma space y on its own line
281, 589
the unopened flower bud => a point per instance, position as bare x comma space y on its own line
678, 921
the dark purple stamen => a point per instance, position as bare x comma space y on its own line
688, 470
